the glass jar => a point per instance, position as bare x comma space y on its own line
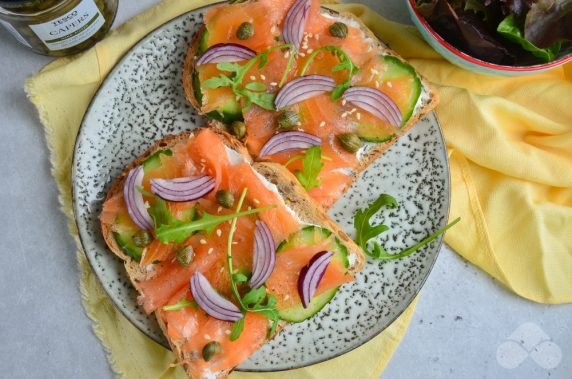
58, 27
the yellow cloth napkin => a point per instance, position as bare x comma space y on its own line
62, 92
510, 151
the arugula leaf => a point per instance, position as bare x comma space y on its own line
239, 277
311, 166
229, 66
217, 82
254, 297
345, 64
159, 212
178, 231
262, 99
365, 231
183, 303
237, 329
255, 86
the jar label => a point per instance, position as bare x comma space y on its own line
15, 33
72, 28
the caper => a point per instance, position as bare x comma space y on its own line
339, 30
142, 238
185, 255
288, 120
245, 31
350, 142
225, 199
210, 350
238, 129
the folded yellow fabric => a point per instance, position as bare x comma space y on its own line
62, 92
510, 150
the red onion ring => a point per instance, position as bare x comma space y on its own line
311, 275
134, 199
264, 255
303, 88
375, 102
226, 52
183, 189
211, 302
295, 22
291, 140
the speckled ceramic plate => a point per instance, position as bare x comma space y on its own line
142, 100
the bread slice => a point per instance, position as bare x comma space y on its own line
287, 186
427, 102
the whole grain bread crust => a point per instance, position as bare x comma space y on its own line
374, 152
293, 194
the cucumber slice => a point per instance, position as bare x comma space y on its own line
126, 244
230, 110
124, 229
397, 69
203, 42
311, 235
154, 160
298, 313
393, 70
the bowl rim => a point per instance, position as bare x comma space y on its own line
479, 62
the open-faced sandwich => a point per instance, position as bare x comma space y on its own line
223, 251
303, 86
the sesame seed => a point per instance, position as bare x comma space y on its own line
210, 251
227, 332
273, 29
323, 123
286, 297
358, 116
287, 54
310, 51
389, 84
218, 232
302, 54
256, 201
249, 208
369, 49
344, 102
376, 84
234, 243
298, 124
222, 269
202, 241
262, 77
252, 77
317, 36
353, 110
274, 84
219, 209
207, 337
345, 114
203, 160
310, 35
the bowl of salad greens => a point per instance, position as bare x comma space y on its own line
501, 37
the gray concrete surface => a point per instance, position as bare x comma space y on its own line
460, 328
